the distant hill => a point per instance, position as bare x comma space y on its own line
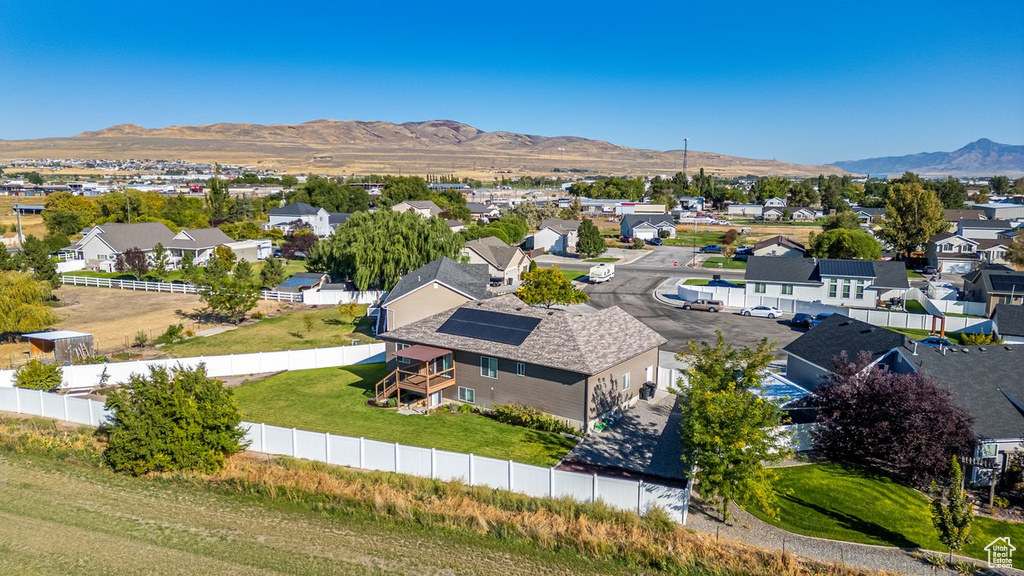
980, 158
435, 147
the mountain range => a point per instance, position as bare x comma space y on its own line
434, 147
979, 158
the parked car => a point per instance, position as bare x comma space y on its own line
818, 319
277, 252
654, 241
936, 342
762, 312
719, 283
626, 239
711, 249
744, 251
801, 320
706, 305
929, 270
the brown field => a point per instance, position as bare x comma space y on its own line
112, 316
29, 224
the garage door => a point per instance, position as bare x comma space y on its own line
957, 267
644, 233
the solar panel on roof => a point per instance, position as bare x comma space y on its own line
1002, 283
491, 326
863, 269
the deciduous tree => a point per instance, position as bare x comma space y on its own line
548, 286
1015, 251
846, 244
727, 431
133, 261
905, 424
23, 303
38, 375
912, 216
35, 257
847, 220
589, 242
165, 421
67, 214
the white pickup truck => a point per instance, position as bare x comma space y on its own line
601, 273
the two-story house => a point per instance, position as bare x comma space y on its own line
983, 229
500, 350
555, 237
850, 283
283, 218
994, 285
505, 264
430, 289
959, 255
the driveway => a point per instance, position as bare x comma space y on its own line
634, 294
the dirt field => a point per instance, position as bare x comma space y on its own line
30, 224
66, 519
111, 316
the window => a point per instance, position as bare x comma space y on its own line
759, 287
860, 290
846, 288
787, 289
948, 247
625, 381
967, 248
467, 395
488, 367
832, 288
520, 369
401, 346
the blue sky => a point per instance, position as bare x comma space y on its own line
807, 82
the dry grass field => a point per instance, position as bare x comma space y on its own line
30, 224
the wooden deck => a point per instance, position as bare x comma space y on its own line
414, 379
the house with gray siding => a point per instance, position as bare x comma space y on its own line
500, 350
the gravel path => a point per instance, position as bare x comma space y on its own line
746, 528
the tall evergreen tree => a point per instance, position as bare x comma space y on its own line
589, 241
952, 513
161, 261
35, 257
272, 273
217, 197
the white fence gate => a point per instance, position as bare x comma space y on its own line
632, 495
88, 375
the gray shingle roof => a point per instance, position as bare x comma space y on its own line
424, 205
478, 208
470, 279
770, 269
810, 270
561, 226
338, 218
583, 343
986, 383
838, 334
987, 224
953, 215
143, 235
782, 241
632, 220
1010, 320
494, 251
295, 209
201, 238
1009, 280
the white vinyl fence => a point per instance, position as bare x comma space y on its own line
738, 298
170, 287
633, 495
88, 375
332, 297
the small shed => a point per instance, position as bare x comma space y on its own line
65, 345
302, 281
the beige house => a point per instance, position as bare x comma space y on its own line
505, 263
430, 289
424, 208
780, 246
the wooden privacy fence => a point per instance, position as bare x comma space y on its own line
632, 495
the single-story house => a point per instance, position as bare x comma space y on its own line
554, 236
775, 202
506, 264
1009, 323
483, 212
780, 246
994, 285
689, 203
640, 208
455, 225
800, 213
984, 380
745, 210
647, 226
500, 350
851, 283
954, 216
201, 242
1001, 210
102, 244
983, 229
425, 208
869, 216
430, 289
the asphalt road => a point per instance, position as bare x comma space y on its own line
634, 294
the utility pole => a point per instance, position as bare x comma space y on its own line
686, 145
21, 237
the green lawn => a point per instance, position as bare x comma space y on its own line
700, 238
334, 400
914, 307
285, 332
919, 334
704, 282
290, 267
729, 263
848, 503
574, 274
912, 274
605, 259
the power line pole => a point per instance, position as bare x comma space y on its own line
686, 144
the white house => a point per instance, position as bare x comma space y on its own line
958, 254
424, 208
483, 212
555, 237
983, 229
799, 213
317, 218
850, 283
775, 202
506, 264
102, 244
745, 210
692, 203
647, 226
780, 246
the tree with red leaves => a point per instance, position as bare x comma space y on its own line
904, 424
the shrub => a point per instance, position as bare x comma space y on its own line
638, 244
392, 402
980, 339
37, 375
530, 417
173, 333
466, 408
97, 359
180, 420
141, 339
730, 236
